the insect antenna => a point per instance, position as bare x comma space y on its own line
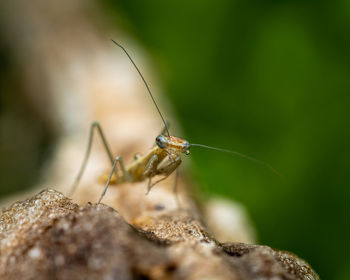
146, 84
242, 156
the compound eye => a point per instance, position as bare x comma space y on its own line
161, 141
187, 152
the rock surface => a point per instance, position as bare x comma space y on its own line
49, 237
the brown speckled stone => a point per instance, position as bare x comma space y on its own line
267, 263
173, 226
48, 237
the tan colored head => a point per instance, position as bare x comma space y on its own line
173, 143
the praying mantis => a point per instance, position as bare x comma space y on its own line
162, 159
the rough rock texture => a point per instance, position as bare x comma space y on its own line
49, 237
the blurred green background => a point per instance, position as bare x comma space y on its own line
270, 79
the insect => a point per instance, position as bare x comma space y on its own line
163, 159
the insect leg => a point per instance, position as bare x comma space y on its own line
94, 125
151, 185
167, 171
151, 170
177, 171
117, 159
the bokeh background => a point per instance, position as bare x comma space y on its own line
270, 79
